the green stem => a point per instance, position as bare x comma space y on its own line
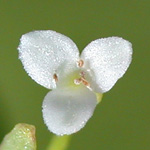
59, 143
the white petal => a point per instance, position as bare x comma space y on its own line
106, 60
66, 111
44, 53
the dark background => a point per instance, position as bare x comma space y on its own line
122, 120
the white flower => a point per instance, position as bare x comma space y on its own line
53, 61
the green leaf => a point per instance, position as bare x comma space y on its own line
22, 137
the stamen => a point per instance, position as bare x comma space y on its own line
55, 77
85, 82
81, 63
82, 74
77, 81
82, 80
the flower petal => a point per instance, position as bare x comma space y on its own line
66, 110
105, 61
45, 53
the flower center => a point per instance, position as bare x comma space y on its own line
73, 79
82, 80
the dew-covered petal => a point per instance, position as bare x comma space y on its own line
66, 110
105, 61
45, 53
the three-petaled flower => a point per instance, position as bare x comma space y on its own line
53, 61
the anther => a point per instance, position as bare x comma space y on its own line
77, 81
55, 77
82, 74
80, 63
85, 82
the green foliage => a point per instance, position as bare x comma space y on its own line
22, 137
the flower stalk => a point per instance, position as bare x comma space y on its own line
59, 142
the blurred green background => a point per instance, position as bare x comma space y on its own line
122, 120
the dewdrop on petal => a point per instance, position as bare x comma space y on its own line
53, 61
